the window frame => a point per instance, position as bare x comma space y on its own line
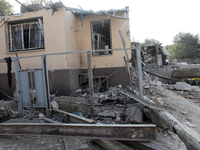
21, 25
92, 23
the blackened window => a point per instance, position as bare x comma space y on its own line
101, 37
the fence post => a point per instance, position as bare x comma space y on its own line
139, 72
46, 85
90, 78
16, 61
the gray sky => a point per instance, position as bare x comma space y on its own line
158, 19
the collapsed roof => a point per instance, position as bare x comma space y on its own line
76, 11
152, 47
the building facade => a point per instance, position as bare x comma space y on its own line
45, 31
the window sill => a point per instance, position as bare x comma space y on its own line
102, 55
93, 52
26, 51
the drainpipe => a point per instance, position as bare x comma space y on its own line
122, 37
124, 45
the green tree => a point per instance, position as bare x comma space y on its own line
5, 7
185, 45
149, 41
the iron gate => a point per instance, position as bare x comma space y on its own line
39, 88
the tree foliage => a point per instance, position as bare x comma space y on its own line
185, 45
149, 41
5, 7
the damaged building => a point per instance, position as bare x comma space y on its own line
155, 54
67, 82
61, 29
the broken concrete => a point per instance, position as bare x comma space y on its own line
78, 91
112, 145
154, 118
3, 110
54, 105
109, 113
151, 83
134, 115
182, 86
158, 83
75, 143
166, 140
195, 89
72, 104
159, 101
8, 108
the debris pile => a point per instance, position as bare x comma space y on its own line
8, 109
173, 108
111, 107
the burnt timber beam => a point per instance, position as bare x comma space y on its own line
91, 131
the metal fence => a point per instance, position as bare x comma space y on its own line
65, 79
7, 79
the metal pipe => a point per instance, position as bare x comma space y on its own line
72, 118
22, 34
90, 78
77, 52
122, 38
47, 85
139, 75
127, 57
10, 30
16, 61
130, 132
47, 100
49, 120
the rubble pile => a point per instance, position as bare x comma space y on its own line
8, 109
113, 107
110, 106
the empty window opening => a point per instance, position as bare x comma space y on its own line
101, 37
27, 35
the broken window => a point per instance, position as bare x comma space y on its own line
27, 35
101, 37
